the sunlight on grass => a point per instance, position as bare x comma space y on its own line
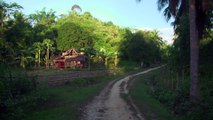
148, 105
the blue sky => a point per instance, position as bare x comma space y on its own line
124, 13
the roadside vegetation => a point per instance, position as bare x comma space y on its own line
142, 95
184, 86
164, 94
18, 92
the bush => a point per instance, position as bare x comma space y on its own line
177, 98
17, 93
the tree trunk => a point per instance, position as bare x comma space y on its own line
106, 62
47, 59
39, 57
194, 52
89, 63
116, 60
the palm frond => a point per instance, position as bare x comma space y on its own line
162, 4
167, 14
173, 6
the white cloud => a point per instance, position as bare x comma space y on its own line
166, 33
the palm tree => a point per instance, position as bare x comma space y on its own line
173, 8
48, 43
25, 56
43, 17
6, 10
38, 47
194, 51
198, 14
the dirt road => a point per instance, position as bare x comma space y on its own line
109, 105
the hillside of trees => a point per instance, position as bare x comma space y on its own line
25, 38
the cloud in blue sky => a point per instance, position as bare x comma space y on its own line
167, 34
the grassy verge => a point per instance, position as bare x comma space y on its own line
142, 96
64, 102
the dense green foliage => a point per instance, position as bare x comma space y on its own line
18, 93
171, 89
147, 45
75, 31
173, 86
109, 42
32, 40
165, 93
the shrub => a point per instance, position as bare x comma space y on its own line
17, 93
177, 98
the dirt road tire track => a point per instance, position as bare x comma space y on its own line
109, 105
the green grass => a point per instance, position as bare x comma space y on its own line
144, 99
64, 102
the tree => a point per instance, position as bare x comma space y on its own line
181, 45
48, 43
43, 22
43, 17
194, 51
7, 10
25, 56
75, 31
38, 47
107, 45
127, 36
199, 11
143, 47
90, 52
10, 20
